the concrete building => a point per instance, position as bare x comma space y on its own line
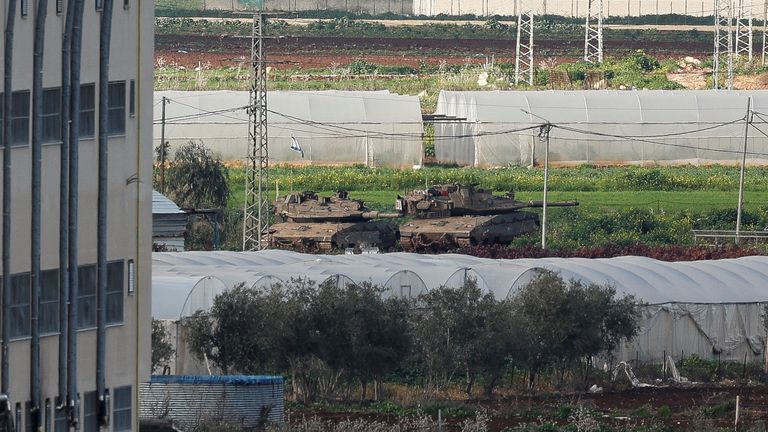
127, 360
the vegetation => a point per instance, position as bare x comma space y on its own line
196, 178
162, 350
440, 335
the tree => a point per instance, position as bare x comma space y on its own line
162, 350
562, 321
196, 178
462, 330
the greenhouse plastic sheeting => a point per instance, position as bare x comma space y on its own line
499, 128
374, 128
569, 8
709, 308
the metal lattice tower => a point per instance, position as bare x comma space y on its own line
765, 30
256, 209
593, 38
723, 53
524, 52
744, 29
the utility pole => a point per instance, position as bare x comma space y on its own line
744, 30
256, 208
524, 51
765, 30
739, 207
162, 147
723, 11
544, 132
593, 37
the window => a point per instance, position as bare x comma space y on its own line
28, 418
24, 8
91, 412
17, 415
132, 100
126, 4
59, 7
121, 413
49, 301
86, 297
87, 110
114, 303
47, 416
19, 307
99, 4
51, 115
20, 118
61, 421
116, 108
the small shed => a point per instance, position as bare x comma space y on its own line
169, 223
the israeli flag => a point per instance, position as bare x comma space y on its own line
296, 147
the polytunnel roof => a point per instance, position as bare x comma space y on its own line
177, 276
601, 106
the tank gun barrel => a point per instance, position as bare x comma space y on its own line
379, 215
552, 204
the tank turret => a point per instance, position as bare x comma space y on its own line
306, 220
460, 215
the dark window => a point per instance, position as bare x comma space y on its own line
24, 7
49, 301
47, 416
61, 421
132, 99
17, 416
91, 412
126, 4
99, 4
86, 297
19, 307
52, 115
59, 6
28, 418
116, 108
87, 110
115, 285
121, 414
20, 118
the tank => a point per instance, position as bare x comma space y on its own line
307, 221
460, 215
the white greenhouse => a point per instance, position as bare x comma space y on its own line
708, 308
375, 128
570, 8
500, 128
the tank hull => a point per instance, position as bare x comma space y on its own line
327, 236
464, 231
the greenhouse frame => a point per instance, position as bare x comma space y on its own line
372, 128
601, 127
710, 308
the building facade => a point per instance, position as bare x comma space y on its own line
128, 214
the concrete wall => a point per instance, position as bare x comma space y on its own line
129, 207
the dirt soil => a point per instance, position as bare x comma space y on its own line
691, 408
314, 52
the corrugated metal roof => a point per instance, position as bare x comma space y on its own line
161, 204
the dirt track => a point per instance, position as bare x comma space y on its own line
686, 408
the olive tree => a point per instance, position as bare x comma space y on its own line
196, 178
162, 349
565, 321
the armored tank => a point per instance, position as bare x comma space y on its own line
317, 223
459, 215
